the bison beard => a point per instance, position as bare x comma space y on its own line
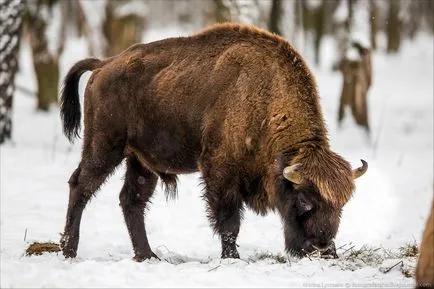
234, 102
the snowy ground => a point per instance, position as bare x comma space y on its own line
388, 209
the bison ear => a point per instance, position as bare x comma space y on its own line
303, 205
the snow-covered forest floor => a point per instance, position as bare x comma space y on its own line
387, 211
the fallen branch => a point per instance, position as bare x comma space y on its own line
385, 271
215, 268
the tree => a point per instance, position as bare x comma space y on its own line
123, 26
10, 31
320, 28
373, 20
222, 13
355, 66
275, 15
45, 61
357, 78
394, 26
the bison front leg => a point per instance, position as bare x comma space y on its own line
137, 190
225, 209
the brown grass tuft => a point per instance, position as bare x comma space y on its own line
38, 249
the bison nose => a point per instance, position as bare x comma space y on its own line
308, 247
317, 245
323, 246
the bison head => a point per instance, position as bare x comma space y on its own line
311, 221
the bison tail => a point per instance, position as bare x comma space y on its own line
70, 111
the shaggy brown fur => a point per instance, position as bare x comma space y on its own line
235, 102
425, 265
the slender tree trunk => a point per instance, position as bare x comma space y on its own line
45, 62
275, 16
428, 7
121, 31
10, 30
394, 27
350, 21
221, 12
357, 77
373, 20
320, 29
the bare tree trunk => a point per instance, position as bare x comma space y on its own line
373, 20
350, 21
222, 13
320, 29
275, 16
343, 30
45, 62
394, 27
121, 31
357, 79
10, 26
357, 76
428, 7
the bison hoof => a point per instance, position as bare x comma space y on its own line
230, 254
69, 246
69, 253
142, 257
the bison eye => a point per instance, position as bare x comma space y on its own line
303, 205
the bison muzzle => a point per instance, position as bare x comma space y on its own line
234, 102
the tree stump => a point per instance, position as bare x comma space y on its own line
357, 78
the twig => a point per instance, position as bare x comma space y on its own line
388, 252
307, 254
215, 268
390, 268
344, 245
25, 235
245, 261
348, 249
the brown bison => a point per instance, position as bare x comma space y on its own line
234, 102
425, 264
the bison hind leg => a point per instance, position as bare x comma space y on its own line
138, 188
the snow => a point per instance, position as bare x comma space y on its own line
341, 13
94, 12
352, 54
388, 209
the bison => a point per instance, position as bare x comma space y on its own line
234, 102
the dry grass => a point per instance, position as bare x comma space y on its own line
278, 258
409, 249
38, 249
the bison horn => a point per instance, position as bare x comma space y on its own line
291, 174
360, 171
